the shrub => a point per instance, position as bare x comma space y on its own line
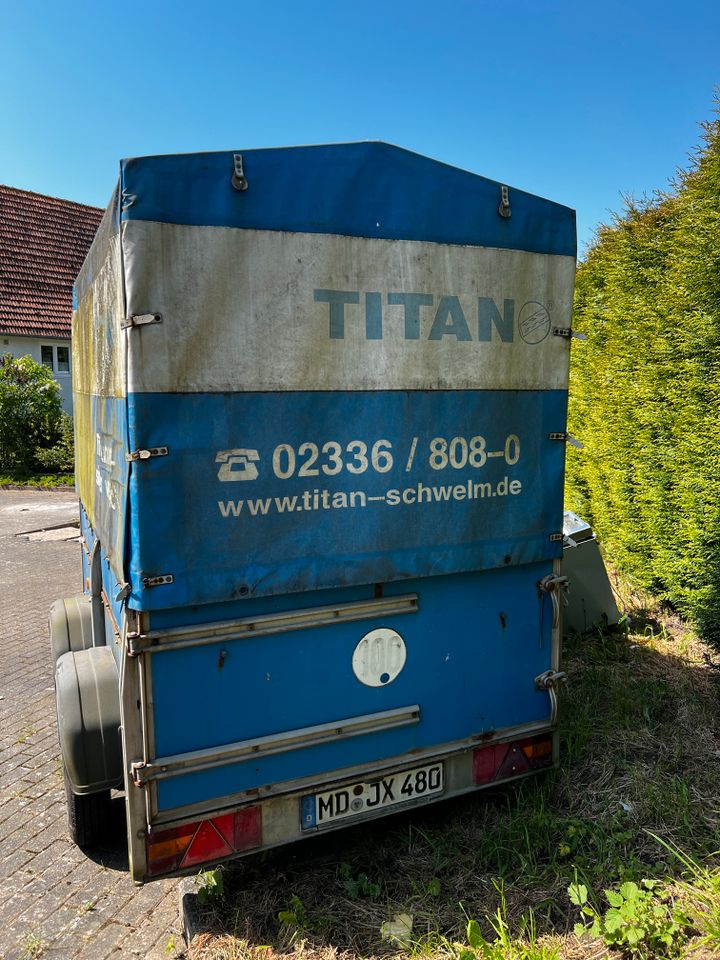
645, 390
61, 456
30, 412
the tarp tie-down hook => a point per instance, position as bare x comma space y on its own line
239, 180
504, 208
556, 586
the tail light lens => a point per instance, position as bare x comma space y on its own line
502, 761
203, 841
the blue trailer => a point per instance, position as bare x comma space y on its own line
320, 400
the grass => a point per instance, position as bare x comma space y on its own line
40, 481
698, 892
637, 796
33, 947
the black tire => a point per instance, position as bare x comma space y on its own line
88, 816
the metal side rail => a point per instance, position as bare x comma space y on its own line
156, 641
163, 767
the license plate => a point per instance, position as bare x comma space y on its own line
368, 795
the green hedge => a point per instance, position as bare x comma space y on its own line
645, 390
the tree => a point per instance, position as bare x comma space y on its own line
30, 412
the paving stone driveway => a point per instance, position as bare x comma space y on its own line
54, 900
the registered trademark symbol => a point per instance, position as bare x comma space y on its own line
534, 322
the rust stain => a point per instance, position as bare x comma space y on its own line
487, 735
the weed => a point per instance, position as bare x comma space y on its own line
25, 735
434, 887
211, 887
33, 948
295, 918
170, 946
87, 906
641, 920
359, 886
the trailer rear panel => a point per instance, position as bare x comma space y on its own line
321, 400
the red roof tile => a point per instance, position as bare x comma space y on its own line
43, 243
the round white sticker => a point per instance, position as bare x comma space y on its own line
379, 657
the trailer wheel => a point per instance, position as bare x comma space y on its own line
88, 815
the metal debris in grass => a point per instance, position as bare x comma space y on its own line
397, 929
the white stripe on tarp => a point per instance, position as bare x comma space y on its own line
240, 312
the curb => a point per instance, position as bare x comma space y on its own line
192, 915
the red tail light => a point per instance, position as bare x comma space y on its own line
248, 829
165, 848
538, 750
203, 841
207, 844
501, 761
487, 762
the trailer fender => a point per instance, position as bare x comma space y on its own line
88, 712
71, 626
590, 601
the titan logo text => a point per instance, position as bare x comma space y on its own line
424, 316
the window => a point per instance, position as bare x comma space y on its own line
56, 358
63, 359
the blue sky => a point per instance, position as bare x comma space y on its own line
577, 101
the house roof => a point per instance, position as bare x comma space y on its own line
43, 243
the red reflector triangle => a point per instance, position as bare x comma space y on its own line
207, 844
225, 825
514, 763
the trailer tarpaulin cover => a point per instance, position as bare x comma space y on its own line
356, 374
